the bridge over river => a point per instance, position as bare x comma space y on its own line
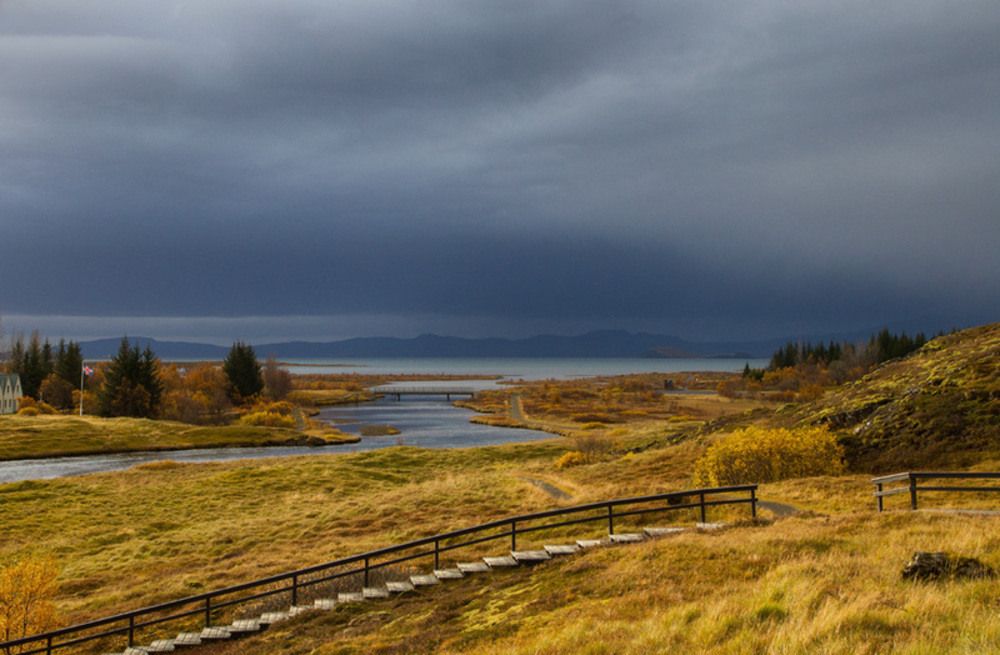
447, 391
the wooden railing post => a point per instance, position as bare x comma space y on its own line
366, 571
701, 499
913, 491
878, 495
513, 535
131, 631
295, 590
753, 503
611, 519
208, 611
437, 554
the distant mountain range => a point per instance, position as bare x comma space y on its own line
600, 344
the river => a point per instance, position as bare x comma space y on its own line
425, 421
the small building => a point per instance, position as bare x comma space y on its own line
10, 391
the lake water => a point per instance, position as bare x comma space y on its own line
521, 369
425, 421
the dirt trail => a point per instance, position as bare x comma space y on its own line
516, 411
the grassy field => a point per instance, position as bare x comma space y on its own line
826, 580
23, 437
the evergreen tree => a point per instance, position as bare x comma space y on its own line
244, 373
35, 366
69, 362
132, 385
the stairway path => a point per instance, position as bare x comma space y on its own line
516, 558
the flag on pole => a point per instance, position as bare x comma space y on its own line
87, 370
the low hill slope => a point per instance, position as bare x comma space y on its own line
938, 407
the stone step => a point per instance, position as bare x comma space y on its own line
372, 593
662, 532
530, 556
500, 562
244, 627
136, 650
215, 634
187, 640
424, 580
399, 587
295, 610
161, 646
568, 549
325, 603
589, 543
627, 537
350, 597
710, 526
448, 574
267, 618
473, 567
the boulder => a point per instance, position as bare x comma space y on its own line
934, 566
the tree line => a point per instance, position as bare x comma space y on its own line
880, 348
134, 382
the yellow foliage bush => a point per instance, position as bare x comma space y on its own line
27, 586
572, 458
269, 419
758, 455
29, 411
282, 407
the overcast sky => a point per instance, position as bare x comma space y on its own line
274, 169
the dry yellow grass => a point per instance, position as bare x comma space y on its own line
825, 581
817, 584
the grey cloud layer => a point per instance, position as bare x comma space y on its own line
625, 160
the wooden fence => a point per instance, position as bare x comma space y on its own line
912, 486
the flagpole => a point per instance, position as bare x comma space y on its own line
82, 366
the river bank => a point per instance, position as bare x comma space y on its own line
58, 436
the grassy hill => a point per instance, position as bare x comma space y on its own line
936, 408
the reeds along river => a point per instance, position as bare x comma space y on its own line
425, 421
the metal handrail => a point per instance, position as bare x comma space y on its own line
913, 477
363, 563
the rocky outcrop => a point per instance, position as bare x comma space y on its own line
935, 566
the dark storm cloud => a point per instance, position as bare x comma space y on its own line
685, 164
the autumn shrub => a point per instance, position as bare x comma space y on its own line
597, 447
810, 392
269, 419
283, 407
594, 417
28, 411
572, 458
57, 391
27, 586
758, 455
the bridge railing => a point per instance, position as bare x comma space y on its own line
913, 478
295, 584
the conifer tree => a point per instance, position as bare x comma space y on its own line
132, 385
244, 373
69, 362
